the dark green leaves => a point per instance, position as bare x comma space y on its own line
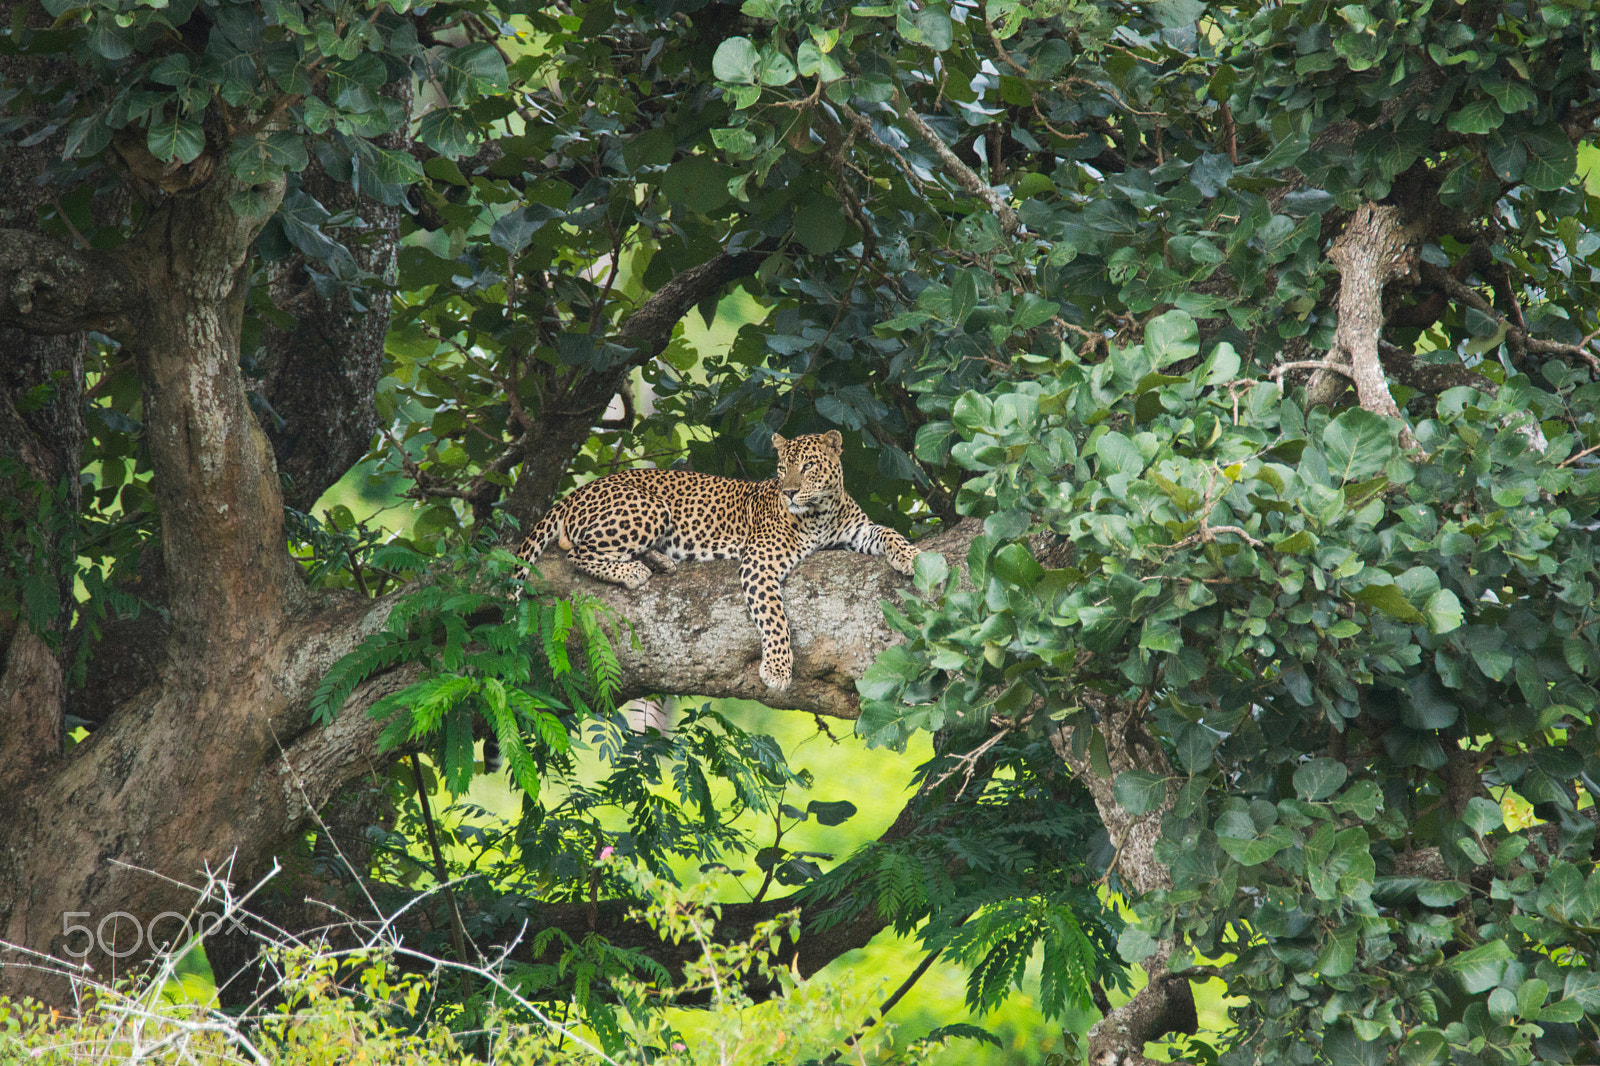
1358, 445
178, 141
1319, 778
1140, 791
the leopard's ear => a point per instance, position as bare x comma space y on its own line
778, 443
835, 440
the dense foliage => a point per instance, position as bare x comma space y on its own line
1095, 274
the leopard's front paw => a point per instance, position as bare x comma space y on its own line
777, 671
907, 563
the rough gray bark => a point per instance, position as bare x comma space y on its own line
1376, 248
1166, 1003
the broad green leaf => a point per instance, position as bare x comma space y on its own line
1338, 954
929, 571
1476, 117
1171, 337
1134, 944
963, 296
1481, 968
836, 812
449, 132
1483, 815
1423, 1047
1358, 444
1561, 895
1552, 159
1253, 851
820, 224
1319, 778
477, 69
1391, 601
736, 60
1583, 988
1140, 791
178, 141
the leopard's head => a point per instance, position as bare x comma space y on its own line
809, 474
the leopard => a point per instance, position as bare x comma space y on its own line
624, 526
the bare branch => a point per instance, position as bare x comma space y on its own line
962, 174
1375, 248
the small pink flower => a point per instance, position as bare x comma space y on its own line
679, 1047
606, 852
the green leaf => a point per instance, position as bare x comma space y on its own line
1423, 1047
836, 812
963, 297
1178, 13
1140, 791
699, 182
889, 671
1338, 954
262, 157
929, 571
1583, 987
1552, 158
1561, 895
178, 141
1482, 967
776, 68
1475, 117
736, 60
929, 25
1171, 337
1134, 944
1483, 815
474, 70
1562, 1011
812, 61
819, 224
1358, 444
1512, 95
1443, 611
449, 131
1319, 778
1253, 851
1391, 601
933, 442
1014, 565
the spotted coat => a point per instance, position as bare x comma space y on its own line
617, 528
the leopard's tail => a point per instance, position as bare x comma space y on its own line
539, 537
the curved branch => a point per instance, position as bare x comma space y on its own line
1166, 1003
1375, 248
962, 174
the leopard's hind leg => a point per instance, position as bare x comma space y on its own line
610, 543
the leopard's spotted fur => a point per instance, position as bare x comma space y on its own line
615, 525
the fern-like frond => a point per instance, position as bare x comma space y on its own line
378, 652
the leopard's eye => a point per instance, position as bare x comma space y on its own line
809, 468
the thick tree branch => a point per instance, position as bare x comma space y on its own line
1375, 249
50, 287
1166, 1003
